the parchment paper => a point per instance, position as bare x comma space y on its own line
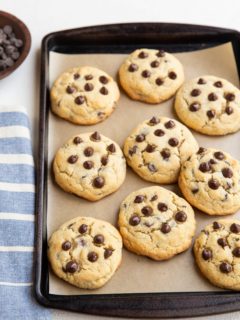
136, 274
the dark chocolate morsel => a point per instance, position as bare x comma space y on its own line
230, 97
147, 211
165, 153
155, 197
104, 91
83, 228
173, 142
201, 81
229, 110
235, 228
146, 73
219, 155
181, 216
201, 150
107, 253
150, 148
143, 55
77, 140
206, 254
103, 79
111, 148
204, 167
104, 160
172, 75
212, 97
98, 239
169, 124
218, 84
73, 159
70, 89
194, 107
195, 92
95, 136
154, 120
79, 100
159, 133
213, 184
71, 267
155, 64
133, 67
133, 150
88, 77
236, 252
139, 199
165, 228
227, 173
211, 114
66, 245
225, 267
151, 167
140, 138
88, 87
162, 207
92, 256
134, 220
216, 225
76, 76
159, 81
88, 152
88, 165
222, 242
160, 53
98, 182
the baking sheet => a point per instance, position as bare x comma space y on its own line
136, 274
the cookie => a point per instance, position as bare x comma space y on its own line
157, 147
217, 253
84, 95
156, 223
151, 75
209, 180
209, 105
85, 252
90, 165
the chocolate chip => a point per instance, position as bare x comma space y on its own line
227, 173
222, 242
107, 253
66, 245
104, 91
201, 81
70, 89
76, 76
195, 190
140, 138
159, 81
206, 254
154, 120
169, 124
143, 55
77, 140
150, 148
88, 77
160, 53
165, 153
195, 106
159, 133
216, 225
235, 228
201, 150
212, 97
212, 161
155, 64
211, 114
218, 84
92, 256
213, 184
88, 165
146, 74
98, 239
71, 267
173, 142
101, 114
133, 67
147, 211
95, 136
83, 228
103, 79
204, 167
236, 252
79, 100
172, 75
225, 267
195, 92
165, 228
230, 97
111, 148
88, 87
181, 216
155, 197
151, 167
88, 152
219, 155
162, 207
132, 151
98, 182
104, 160
134, 220
139, 199
229, 110
72, 159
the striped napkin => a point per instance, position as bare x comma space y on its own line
17, 201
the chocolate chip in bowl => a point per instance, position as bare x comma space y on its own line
15, 42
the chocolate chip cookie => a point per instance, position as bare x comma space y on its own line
156, 223
210, 105
84, 95
90, 165
209, 180
157, 147
151, 75
85, 252
217, 253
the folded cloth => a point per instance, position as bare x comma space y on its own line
17, 200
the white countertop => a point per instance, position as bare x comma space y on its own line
45, 16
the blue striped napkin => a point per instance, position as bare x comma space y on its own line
17, 200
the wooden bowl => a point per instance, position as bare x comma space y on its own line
21, 32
